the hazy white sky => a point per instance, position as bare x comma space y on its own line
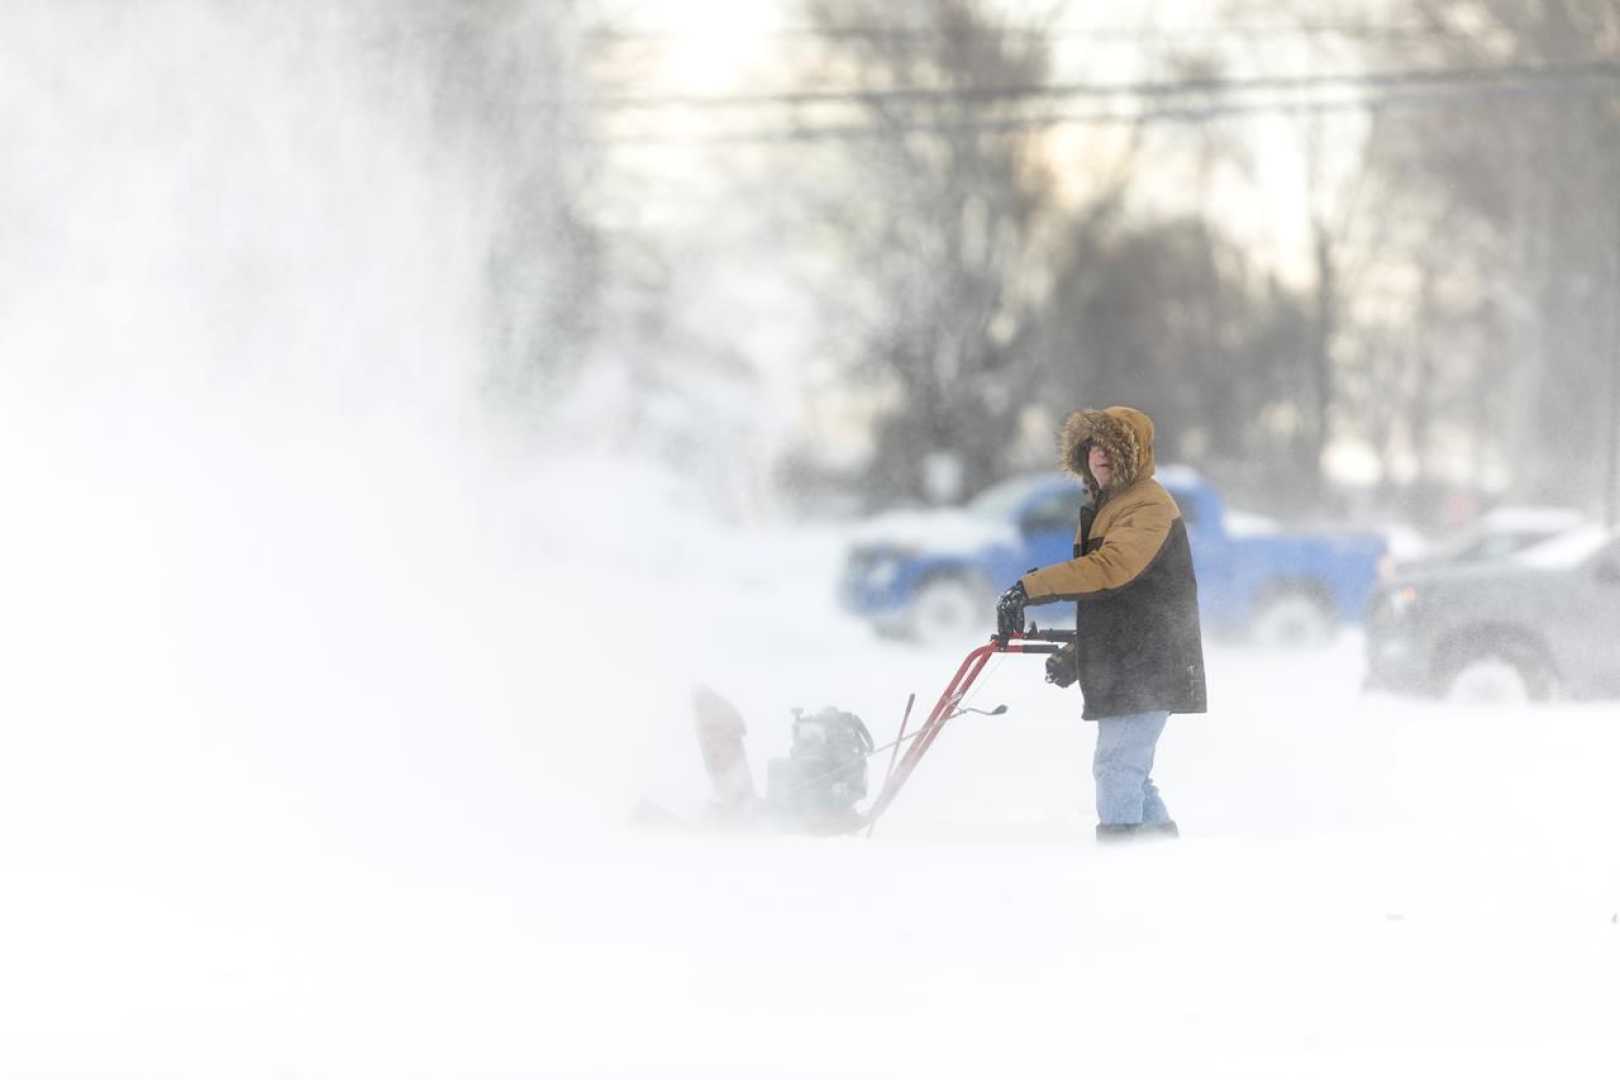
719, 47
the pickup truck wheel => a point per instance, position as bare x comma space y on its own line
949, 608
1292, 620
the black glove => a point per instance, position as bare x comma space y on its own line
1010, 611
1063, 667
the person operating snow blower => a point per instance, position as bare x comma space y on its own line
1138, 651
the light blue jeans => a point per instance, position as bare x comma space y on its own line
1121, 766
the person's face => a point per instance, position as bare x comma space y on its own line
1101, 468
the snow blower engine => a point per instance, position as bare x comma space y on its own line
824, 775
813, 789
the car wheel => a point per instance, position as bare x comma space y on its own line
950, 608
1292, 620
1497, 677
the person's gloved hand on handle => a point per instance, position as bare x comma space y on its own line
1062, 667
1010, 611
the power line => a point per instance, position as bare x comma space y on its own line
1136, 34
1393, 98
1568, 72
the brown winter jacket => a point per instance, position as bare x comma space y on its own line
1138, 646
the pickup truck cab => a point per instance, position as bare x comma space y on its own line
934, 574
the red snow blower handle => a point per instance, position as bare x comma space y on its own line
1033, 640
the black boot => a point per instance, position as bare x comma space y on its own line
1116, 834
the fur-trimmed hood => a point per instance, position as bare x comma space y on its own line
1126, 434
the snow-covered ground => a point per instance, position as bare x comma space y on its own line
393, 838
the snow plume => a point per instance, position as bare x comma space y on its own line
270, 594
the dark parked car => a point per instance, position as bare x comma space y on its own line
1498, 533
1535, 624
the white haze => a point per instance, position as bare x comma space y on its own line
251, 497
326, 700
280, 616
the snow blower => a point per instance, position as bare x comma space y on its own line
815, 788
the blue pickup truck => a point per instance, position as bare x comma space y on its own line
933, 575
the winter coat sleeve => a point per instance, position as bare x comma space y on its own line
1128, 546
